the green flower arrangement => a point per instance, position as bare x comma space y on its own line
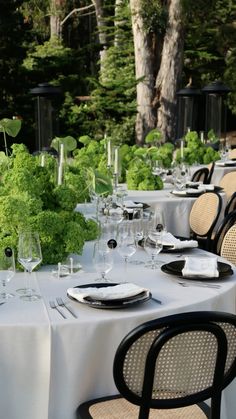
30, 200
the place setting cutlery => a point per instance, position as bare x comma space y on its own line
198, 284
55, 307
61, 303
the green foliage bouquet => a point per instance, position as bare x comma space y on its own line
30, 199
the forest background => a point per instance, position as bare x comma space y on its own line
119, 63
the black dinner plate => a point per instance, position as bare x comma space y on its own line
114, 303
170, 249
188, 194
216, 188
227, 164
175, 268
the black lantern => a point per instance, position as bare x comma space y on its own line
215, 110
47, 126
187, 118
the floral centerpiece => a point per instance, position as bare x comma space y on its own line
30, 199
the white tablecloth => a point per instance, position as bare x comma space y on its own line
49, 365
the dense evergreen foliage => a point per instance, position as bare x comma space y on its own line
28, 56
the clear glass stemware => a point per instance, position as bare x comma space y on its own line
7, 270
29, 256
102, 260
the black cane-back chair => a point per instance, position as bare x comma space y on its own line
201, 175
211, 169
231, 204
224, 226
203, 217
168, 367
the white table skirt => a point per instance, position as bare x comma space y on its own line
50, 365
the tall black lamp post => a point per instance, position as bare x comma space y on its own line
187, 117
215, 108
46, 121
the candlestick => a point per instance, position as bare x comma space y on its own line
60, 165
42, 160
116, 164
182, 149
109, 153
60, 171
61, 153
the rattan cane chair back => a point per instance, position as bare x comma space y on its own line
204, 216
211, 169
231, 204
173, 363
225, 225
232, 154
228, 183
200, 175
228, 248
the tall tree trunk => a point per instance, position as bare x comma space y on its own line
56, 7
144, 68
102, 36
169, 74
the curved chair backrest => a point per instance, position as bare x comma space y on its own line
205, 213
176, 361
231, 204
211, 169
200, 175
225, 225
228, 248
228, 183
232, 154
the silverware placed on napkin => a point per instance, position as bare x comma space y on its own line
54, 306
61, 303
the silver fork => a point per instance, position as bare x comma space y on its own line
198, 284
54, 306
61, 303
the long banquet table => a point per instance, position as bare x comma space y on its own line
49, 364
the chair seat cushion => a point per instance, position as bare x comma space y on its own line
120, 408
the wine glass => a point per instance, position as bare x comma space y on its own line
7, 270
29, 256
153, 246
126, 241
102, 260
157, 221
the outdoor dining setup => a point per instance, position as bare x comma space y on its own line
79, 277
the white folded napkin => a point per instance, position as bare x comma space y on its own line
204, 187
200, 267
185, 192
131, 204
225, 163
169, 240
106, 293
191, 183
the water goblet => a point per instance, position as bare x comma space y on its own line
29, 256
126, 241
7, 270
153, 246
102, 260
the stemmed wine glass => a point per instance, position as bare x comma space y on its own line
102, 260
126, 241
7, 270
29, 256
153, 240
153, 246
